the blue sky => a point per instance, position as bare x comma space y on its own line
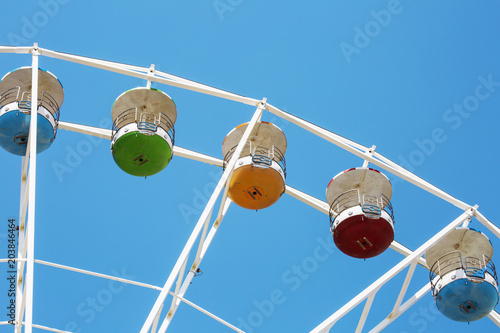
386, 73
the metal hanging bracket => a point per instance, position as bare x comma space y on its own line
369, 153
151, 73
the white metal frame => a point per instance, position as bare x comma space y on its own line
26, 256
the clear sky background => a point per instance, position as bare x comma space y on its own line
384, 73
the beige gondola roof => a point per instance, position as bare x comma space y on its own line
21, 77
367, 181
469, 242
264, 134
145, 100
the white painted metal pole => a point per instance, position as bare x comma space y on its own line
404, 288
182, 152
202, 249
106, 134
408, 304
360, 151
84, 129
130, 70
369, 152
15, 49
104, 276
234, 328
203, 246
31, 190
21, 250
214, 229
45, 328
200, 223
330, 321
143, 74
495, 317
308, 199
487, 223
152, 74
366, 310
178, 284
157, 319
398, 247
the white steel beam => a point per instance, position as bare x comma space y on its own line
495, 317
197, 229
212, 232
324, 208
131, 282
398, 247
45, 328
406, 305
487, 223
210, 315
181, 275
104, 276
369, 152
192, 155
106, 134
157, 319
330, 321
180, 283
405, 286
202, 249
21, 249
15, 49
308, 200
365, 312
143, 73
30, 255
84, 129
376, 159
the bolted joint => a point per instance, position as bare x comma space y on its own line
35, 49
262, 104
471, 211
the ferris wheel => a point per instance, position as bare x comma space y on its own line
462, 276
